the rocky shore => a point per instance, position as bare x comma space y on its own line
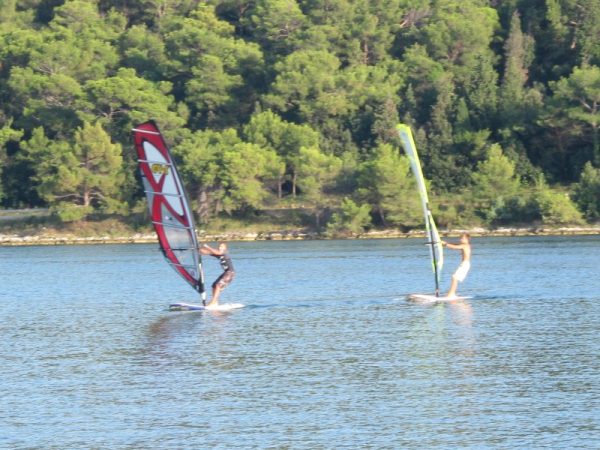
285, 235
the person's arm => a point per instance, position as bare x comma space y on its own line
453, 246
205, 249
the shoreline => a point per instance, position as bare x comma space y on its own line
14, 240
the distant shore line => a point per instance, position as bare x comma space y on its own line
8, 240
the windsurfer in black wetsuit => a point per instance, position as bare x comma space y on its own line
226, 277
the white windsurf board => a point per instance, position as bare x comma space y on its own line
429, 298
195, 307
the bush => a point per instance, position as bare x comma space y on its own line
556, 208
67, 212
351, 219
517, 209
587, 192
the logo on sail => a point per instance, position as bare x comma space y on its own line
159, 169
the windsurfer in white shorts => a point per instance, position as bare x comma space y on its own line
465, 265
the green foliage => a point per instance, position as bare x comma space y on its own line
386, 183
87, 172
315, 172
143, 50
587, 192
520, 209
306, 86
269, 131
126, 99
457, 33
556, 208
519, 54
210, 66
68, 212
494, 182
6, 134
275, 22
351, 219
578, 98
225, 173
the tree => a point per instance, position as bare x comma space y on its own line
244, 169
48, 76
555, 207
458, 33
269, 131
7, 133
316, 172
305, 88
351, 219
518, 50
518, 104
144, 51
422, 74
273, 23
77, 178
588, 30
587, 192
371, 113
212, 71
223, 173
124, 100
481, 92
386, 184
578, 98
359, 32
494, 182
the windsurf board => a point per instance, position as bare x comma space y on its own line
195, 307
427, 298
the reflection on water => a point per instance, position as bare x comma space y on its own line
328, 353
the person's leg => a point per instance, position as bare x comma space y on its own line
453, 286
216, 290
214, 301
221, 283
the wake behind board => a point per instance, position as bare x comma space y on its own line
427, 298
194, 307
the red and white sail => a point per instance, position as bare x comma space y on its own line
168, 204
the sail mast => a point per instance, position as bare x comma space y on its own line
432, 243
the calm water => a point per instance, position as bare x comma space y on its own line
328, 354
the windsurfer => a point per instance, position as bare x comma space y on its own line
226, 277
465, 247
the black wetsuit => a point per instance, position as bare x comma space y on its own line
228, 272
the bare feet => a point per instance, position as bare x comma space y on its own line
453, 286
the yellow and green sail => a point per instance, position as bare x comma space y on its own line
433, 237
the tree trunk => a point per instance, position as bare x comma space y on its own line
203, 206
596, 145
279, 187
294, 179
382, 216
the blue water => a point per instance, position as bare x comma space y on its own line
327, 354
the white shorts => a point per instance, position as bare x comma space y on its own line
462, 271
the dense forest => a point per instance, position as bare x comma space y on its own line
292, 105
